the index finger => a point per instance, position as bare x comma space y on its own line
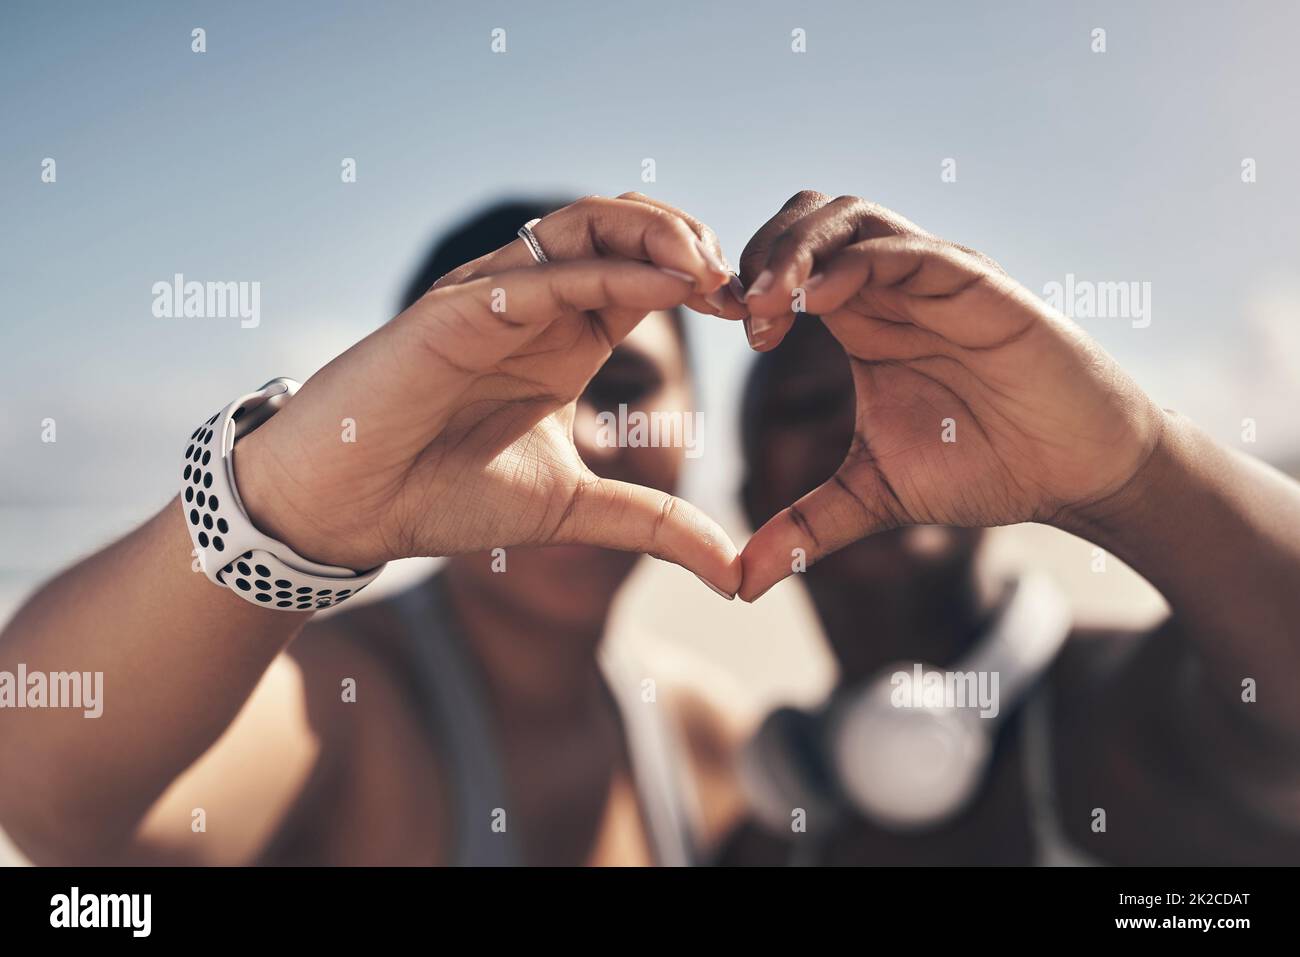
596, 226
727, 301
471, 327
810, 230
753, 259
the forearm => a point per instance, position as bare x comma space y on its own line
179, 657
1218, 533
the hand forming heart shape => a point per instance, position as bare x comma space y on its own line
977, 404
464, 407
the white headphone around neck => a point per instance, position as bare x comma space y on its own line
903, 756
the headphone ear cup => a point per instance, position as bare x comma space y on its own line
783, 769
906, 768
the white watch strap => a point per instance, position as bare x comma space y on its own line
231, 551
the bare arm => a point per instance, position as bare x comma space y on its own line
1165, 736
179, 658
1218, 533
465, 406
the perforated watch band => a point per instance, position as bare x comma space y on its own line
231, 551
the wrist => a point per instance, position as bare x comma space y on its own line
263, 482
1161, 477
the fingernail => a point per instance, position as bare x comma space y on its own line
733, 290
710, 257
718, 298
756, 331
678, 274
761, 285
716, 589
815, 281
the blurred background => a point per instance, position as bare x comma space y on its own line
1122, 166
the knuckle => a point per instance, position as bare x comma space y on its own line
583, 206
673, 228
678, 225
667, 508
806, 198
641, 212
861, 209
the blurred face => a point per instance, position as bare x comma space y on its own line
805, 418
647, 372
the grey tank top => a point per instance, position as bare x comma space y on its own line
456, 713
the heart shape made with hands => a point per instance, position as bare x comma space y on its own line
975, 404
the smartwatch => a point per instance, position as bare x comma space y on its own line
230, 549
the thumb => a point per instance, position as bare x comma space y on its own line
829, 517
633, 518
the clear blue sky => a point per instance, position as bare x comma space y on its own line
225, 166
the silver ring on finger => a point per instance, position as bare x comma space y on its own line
530, 240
